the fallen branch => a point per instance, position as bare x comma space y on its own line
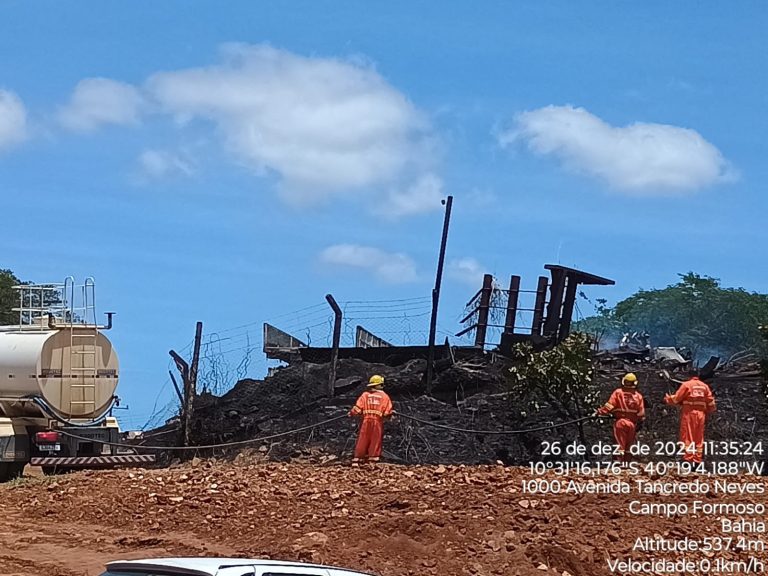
741, 356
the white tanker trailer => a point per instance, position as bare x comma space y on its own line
58, 377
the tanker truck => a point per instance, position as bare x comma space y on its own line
58, 378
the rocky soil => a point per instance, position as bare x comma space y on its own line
388, 520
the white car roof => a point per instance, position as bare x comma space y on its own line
210, 566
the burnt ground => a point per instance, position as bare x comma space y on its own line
389, 520
468, 395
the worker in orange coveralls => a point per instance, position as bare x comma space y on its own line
626, 405
374, 405
696, 400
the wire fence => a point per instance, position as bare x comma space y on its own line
497, 313
402, 322
235, 353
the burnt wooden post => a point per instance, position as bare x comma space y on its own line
568, 304
514, 293
183, 368
193, 368
555, 306
483, 310
436, 293
336, 341
189, 380
565, 281
538, 307
176, 387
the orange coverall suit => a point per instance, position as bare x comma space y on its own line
374, 406
628, 408
696, 400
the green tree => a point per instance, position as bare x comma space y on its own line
698, 313
8, 297
561, 377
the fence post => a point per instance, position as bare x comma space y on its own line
568, 305
336, 341
514, 293
555, 306
176, 387
538, 307
484, 310
183, 368
189, 380
193, 373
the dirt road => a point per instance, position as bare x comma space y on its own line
390, 520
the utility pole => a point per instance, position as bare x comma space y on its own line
436, 293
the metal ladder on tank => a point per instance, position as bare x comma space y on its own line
83, 335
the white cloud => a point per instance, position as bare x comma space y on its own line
467, 270
13, 120
482, 197
393, 268
160, 164
96, 102
424, 195
324, 126
639, 158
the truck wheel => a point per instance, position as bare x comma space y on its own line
10, 470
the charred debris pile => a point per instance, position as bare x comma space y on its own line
471, 392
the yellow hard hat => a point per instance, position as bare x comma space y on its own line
629, 380
375, 380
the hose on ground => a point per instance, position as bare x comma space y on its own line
206, 446
495, 432
225, 445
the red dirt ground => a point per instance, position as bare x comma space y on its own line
389, 520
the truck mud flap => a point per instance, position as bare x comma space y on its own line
94, 461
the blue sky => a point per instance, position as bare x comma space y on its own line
232, 163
